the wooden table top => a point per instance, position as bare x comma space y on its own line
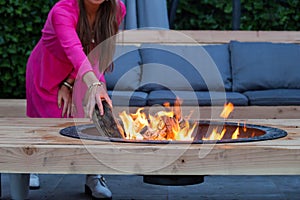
35, 145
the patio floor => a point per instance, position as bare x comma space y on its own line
131, 187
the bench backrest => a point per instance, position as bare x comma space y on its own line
205, 37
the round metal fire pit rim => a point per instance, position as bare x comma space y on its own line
270, 134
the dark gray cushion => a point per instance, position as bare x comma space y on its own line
221, 57
279, 97
127, 71
197, 98
264, 65
185, 67
126, 98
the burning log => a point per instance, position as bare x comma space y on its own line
167, 124
106, 124
171, 125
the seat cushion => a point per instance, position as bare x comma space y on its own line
264, 65
277, 97
127, 71
126, 98
185, 68
196, 98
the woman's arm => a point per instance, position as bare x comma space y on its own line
64, 23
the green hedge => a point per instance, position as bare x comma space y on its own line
255, 15
21, 23
20, 29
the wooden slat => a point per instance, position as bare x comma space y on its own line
12, 108
17, 108
34, 145
240, 112
205, 36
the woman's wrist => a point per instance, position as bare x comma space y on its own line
67, 85
70, 81
91, 80
95, 84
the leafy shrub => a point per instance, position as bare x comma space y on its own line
270, 15
255, 15
20, 29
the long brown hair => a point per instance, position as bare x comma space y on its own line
105, 27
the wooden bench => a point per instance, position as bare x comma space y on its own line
35, 145
16, 108
205, 37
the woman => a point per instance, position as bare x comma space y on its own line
73, 28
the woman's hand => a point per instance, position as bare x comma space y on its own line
97, 92
65, 98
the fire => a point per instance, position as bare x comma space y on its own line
215, 135
163, 125
236, 133
228, 108
170, 125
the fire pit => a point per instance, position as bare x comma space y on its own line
248, 133
171, 128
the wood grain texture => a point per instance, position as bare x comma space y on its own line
205, 36
35, 145
106, 124
17, 108
12, 108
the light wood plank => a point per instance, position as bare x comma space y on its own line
34, 145
10, 108
205, 36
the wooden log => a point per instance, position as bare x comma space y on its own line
107, 125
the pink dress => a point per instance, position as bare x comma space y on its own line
58, 55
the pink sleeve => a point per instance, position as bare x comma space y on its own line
122, 12
102, 78
64, 24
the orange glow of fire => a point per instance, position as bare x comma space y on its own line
163, 125
228, 108
170, 125
215, 135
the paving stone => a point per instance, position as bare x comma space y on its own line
132, 187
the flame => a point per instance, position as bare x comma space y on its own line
228, 108
215, 135
163, 125
170, 125
236, 133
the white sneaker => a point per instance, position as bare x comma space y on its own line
96, 186
34, 182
